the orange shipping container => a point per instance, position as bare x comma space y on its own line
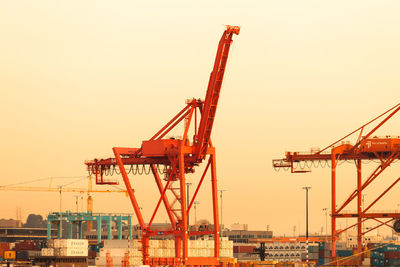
9, 255
380, 145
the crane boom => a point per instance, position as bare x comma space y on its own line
213, 90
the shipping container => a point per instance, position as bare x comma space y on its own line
9, 255
391, 247
243, 249
73, 252
392, 254
344, 253
380, 144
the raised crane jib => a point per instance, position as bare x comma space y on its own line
214, 87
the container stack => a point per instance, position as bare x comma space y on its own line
66, 248
324, 253
290, 251
243, 252
4, 247
118, 250
205, 248
47, 252
313, 253
346, 257
162, 248
385, 255
196, 248
26, 250
135, 253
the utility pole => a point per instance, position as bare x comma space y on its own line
221, 191
307, 188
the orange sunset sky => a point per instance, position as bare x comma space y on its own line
79, 77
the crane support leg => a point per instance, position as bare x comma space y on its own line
165, 199
117, 152
214, 189
184, 222
333, 207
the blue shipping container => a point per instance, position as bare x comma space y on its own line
344, 253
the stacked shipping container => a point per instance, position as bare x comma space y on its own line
118, 250
66, 248
385, 255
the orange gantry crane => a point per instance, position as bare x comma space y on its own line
173, 158
367, 147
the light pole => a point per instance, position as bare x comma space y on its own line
61, 229
307, 188
221, 191
195, 203
187, 200
326, 220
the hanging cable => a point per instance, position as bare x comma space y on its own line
277, 169
64, 185
309, 164
117, 171
140, 172
322, 163
304, 165
315, 164
148, 172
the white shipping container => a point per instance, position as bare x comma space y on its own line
116, 243
73, 252
47, 252
192, 252
57, 243
43, 252
135, 244
74, 243
209, 243
171, 244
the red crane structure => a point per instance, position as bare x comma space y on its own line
173, 158
367, 147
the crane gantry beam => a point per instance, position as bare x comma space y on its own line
367, 147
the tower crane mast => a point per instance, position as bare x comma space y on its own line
170, 160
367, 147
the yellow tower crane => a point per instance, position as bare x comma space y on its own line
61, 189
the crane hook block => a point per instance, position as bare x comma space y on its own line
233, 29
